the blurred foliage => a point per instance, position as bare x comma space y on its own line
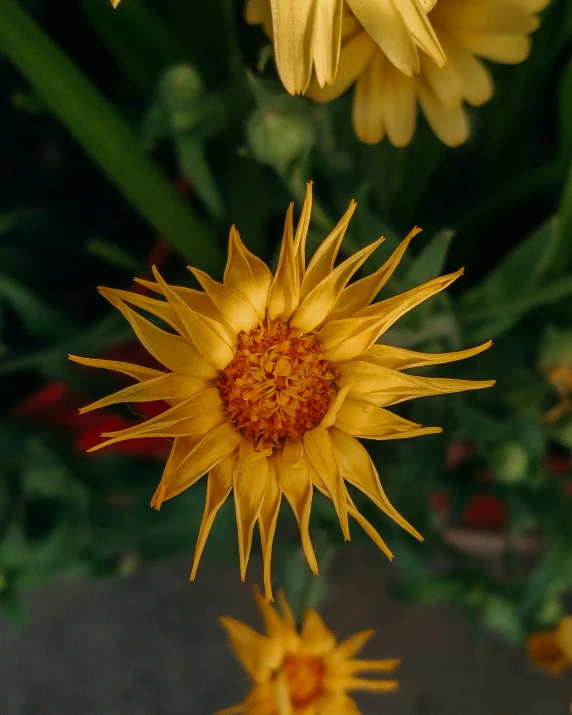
157, 126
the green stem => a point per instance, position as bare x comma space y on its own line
104, 136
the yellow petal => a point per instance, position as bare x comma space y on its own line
401, 359
249, 480
383, 665
302, 233
354, 58
257, 12
165, 387
334, 702
473, 77
173, 351
161, 308
348, 338
359, 295
374, 686
450, 125
182, 447
294, 482
293, 32
360, 419
443, 82
506, 48
564, 636
322, 262
195, 299
369, 529
267, 521
219, 484
485, 17
414, 15
320, 300
238, 311
357, 468
320, 452
115, 3
348, 648
316, 638
138, 372
217, 444
370, 99
327, 39
399, 107
252, 649
284, 292
384, 24
246, 273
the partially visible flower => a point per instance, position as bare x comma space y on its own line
551, 651
561, 379
385, 99
307, 35
115, 3
302, 672
272, 378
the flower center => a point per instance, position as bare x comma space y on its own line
305, 677
279, 385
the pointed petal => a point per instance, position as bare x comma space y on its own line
348, 648
357, 468
182, 447
253, 650
369, 529
363, 420
170, 387
249, 479
138, 372
219, 485
322, 262
302, 233
385, 665
419, 25
173, 351
161, 308
217, 444
374, 686
319, 450
320, 300
359, 295
267, 520
246, 273
401, 359
316, 638
195, 299
348, 338
294, 482
238, 311
285, 289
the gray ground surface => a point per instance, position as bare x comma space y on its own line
151, 645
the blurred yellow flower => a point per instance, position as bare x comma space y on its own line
302, 673
307, 35
271, 378
385, 100
551, 651
115, 3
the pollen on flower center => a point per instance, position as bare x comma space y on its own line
279, 385
305, 678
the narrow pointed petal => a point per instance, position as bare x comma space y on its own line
293, 34
316, 638
357, 468
346, 339
267, 521
323, 260
173, 351
301, 234
375, 686
316, 306
219, 485
182, 447
252, 649
217, 444
165, 387
359, 295
385, 665
419, 25
249, 480
351, 646
319, 450
161, 308
238, 311
401, 359
294, 482
328, 37
246, 273
369, 529
285, 289
335, 702
138, 372
195, 299
361, 419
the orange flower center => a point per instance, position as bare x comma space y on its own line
279, 385
305, 678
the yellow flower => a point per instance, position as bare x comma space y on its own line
271, 378
307, 35
301, 673
551, 651
385, 100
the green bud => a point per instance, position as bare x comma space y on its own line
181, 91
510, 463
279, 139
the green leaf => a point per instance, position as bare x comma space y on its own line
104, 136
430, 262
193, 162
38, 318
113, 254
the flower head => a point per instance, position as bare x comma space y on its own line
301, 672
307, 35
385, 99
273, 378
551, 651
